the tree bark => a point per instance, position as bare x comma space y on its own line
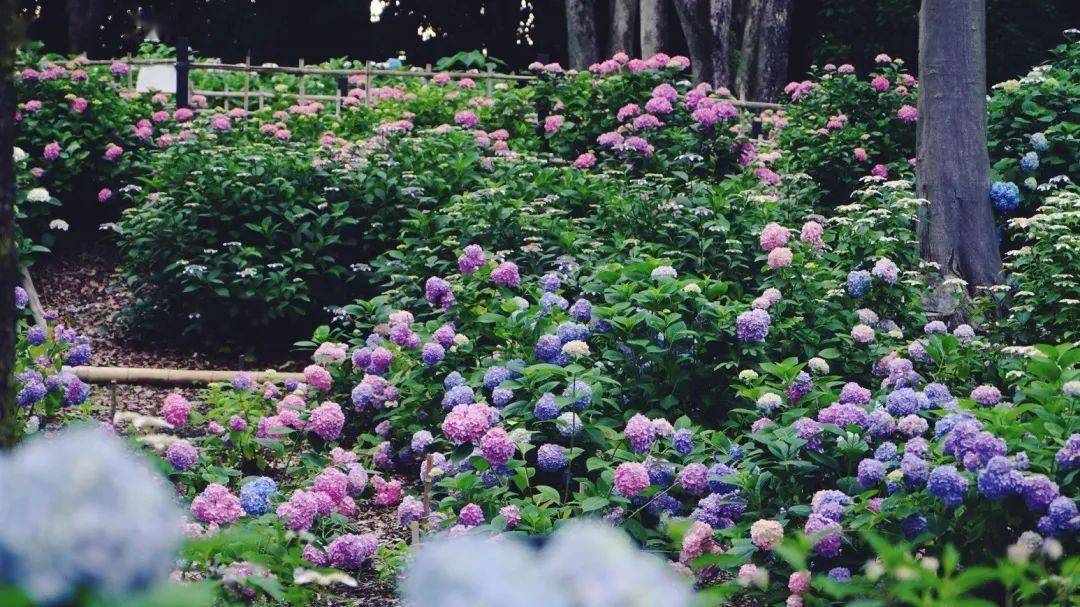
84, 21
748, 48
694, 19
624, 27
772, 50
582, 47
654, 34
10, 25
720, 21
956, 229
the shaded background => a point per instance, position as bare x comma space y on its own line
515, 31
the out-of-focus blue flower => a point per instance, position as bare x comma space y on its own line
81, 511
858, 281
1029, 162
255, 495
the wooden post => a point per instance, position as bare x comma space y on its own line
490, 83
428, 463
114, 402
247, 79
130, 74
303, 88
183, 64
262, 95
414, 532
367, 83
337, 104
226, 95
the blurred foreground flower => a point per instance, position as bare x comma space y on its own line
585, 564
82, 512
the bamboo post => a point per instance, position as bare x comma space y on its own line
303, 87
262, 95
337, 104
169, 377
247, 79
227, 95
131, 85
414, 532
490, 82
367, 83
35, 301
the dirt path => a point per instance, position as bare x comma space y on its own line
82, 286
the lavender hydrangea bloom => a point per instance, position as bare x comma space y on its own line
1068, 457
912, 525
458, 395
870, 473
718, 475
495, 375
82, 512
548, 348
1038, 492
753, 326
886, 452
683, 441
581, 311
903, 401
550, 282
998, 479
916, 471
551, 457
1061, 518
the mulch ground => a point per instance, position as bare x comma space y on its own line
83, 286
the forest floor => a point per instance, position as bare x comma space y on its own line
84, 287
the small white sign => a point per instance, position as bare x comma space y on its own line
156, 78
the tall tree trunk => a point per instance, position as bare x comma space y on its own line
624, 27
654, 30
748, 53
11, 27
582, 46
84, 22
694, 19
772, 50
720, 21
956, 229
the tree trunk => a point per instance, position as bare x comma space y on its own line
84, 21
582, 47
956, 229
720, 15
748, 52
694, 19
10, 25
624, 27
772, 50
654, 34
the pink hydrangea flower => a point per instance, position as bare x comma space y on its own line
298, 513
175, 410
387, 493
780, 257
52, 151
216, 505
326, 421
908, 113
880, 83
766, 534
104, 194
698, 541
318, 377
631, 478
467, 423
585, 161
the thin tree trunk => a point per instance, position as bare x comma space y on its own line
956, 229
694, 19
654, 34
9, 276
583, 49
772, 50
748, 49
624, 27
720, 21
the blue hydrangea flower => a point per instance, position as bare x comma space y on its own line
1005, 195
550, 282
458, 395
912, 525
683, 441
580, 394
79, 355
495, 375
948, 485
998, 480
870, 473
902, 402
546, 407
255, 495
453, 379
572, 331
718, 474
548, 348
858, 281
886, 452
1039, 142
1029, 162
551, 457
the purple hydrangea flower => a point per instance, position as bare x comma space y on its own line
551, 457
753, 326
948, 485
